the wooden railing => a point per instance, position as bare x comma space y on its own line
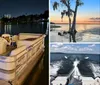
22, 59
28, 56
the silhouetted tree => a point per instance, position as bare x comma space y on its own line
27, 18
69, 12
46, 14
4, 19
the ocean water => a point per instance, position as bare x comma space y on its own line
85, 33
23, 28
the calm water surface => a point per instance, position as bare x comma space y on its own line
23, 28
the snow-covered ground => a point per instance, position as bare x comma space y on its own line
85, 81
76, 70
60, 80
55, 67
86, 33
95, 69
80, 37
90, 81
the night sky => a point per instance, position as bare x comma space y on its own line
20, 7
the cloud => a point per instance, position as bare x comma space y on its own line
54, 46
57, 45
93, 45
72, 48
95, 19
85, 49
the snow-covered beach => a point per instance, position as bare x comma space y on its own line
85, 33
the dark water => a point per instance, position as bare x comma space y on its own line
13, 29
61, 56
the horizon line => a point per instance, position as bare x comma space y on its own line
77, 23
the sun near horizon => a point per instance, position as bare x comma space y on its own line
87, 14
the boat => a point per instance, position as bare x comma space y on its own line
18, 58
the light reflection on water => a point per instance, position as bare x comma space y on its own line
7, 28
26, 28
